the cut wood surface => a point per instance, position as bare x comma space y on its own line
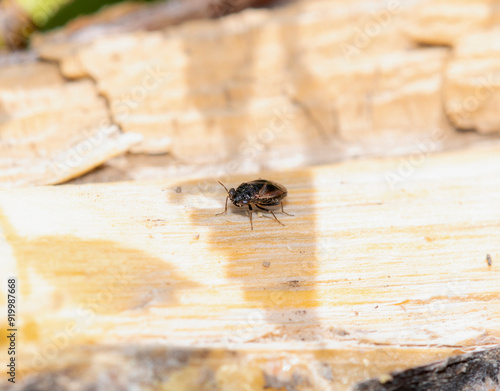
389, 261
381, 267
50, 130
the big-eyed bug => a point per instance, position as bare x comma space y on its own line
259, 193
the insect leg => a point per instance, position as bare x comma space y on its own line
270, 211
282, 211
225, 210
250, 210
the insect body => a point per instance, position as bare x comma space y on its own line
260, 193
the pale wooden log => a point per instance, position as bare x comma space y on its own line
382, 267
310, 83
348, 95
270, 366
237, 80
52, 130
221, 81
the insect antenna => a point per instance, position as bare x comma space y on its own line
223, 187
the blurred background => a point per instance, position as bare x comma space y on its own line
20, 18
216, 87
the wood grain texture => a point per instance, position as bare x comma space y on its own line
52, 130
313, 82
386, 264
253, 74
366, 262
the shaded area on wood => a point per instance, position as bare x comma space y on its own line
478, 370
283, 294
103, 276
